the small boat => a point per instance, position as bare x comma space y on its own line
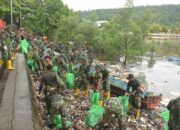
174, 59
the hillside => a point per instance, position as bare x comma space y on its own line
165, 14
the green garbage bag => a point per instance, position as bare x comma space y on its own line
70, 78
24, 46
67, 67
30, 63
55, 69
68, 123
94, 115
74, 69
125, 102
95, 97
58, 121
114, 105
165, 115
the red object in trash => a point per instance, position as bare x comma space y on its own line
152, 101
2, 24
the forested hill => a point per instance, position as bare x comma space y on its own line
165, 14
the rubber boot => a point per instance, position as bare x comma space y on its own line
77, 92
129, 106
1, 61
86, 92
102, 93
108, 95
9, 65
138, 114
101, 102
13, 56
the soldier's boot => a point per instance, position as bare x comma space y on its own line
9, 65
129, 106
13, 56
1, 61
108, 95
102, 93
86, 92
138, 114
101, 102
77, 90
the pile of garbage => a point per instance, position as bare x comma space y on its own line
77, 109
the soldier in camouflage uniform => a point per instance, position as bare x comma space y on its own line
90, 55
53, 84
62, 66
137, 100
82, 76
6, 50
105, 83
97, 78
57, 103
174, 108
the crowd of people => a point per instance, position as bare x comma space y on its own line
69, 68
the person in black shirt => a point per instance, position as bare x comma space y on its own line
132, 83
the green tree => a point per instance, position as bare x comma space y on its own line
155, 28
66, 30
128, 41
93, 16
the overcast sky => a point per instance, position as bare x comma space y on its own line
103, 4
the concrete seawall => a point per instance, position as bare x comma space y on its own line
15, 110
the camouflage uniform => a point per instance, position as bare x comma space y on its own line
174, 108
97, 79
57, 104
5, 50
90, 56
82, 76
105, 79
62, 67
53, 84
137, 98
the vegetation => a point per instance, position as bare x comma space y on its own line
165, 14
165, 17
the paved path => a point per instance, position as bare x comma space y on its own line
15, 109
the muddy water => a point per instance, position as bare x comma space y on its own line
161, 75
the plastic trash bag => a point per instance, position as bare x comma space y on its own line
95, 97
94, 115
24, 46
55, 69
68, 123
165, 116
70, 78
58, 121
125, 102
115, 105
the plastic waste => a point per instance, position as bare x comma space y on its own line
95, 97
70, 78
68, 123
55, 69
125, 102
165, 115
58, 121
94, 115
24, 45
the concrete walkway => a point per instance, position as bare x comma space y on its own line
15, 109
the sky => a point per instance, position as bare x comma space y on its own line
77, 5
